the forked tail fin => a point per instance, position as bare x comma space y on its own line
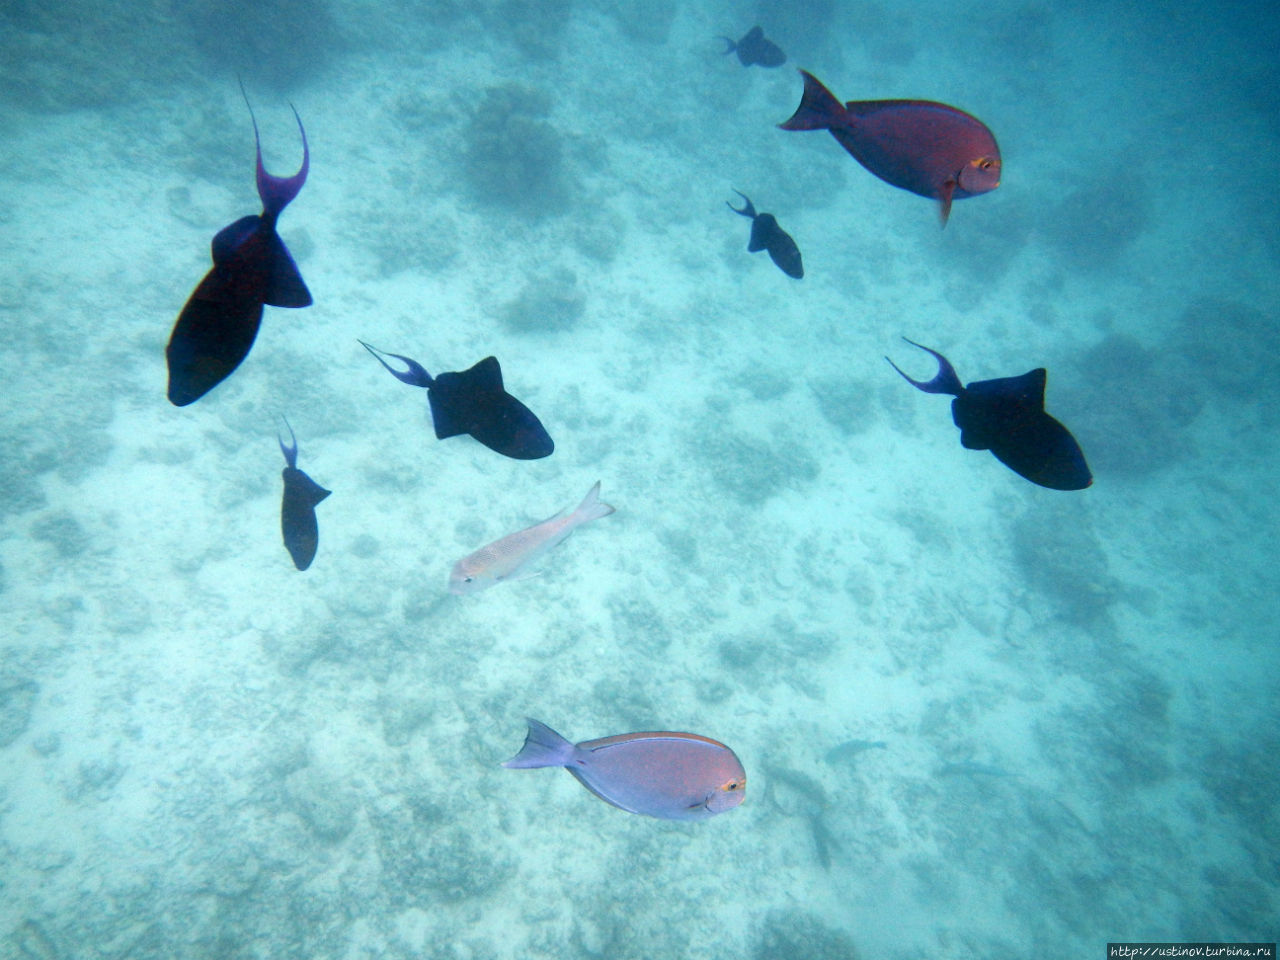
277, 192
414, 376
543, 747
592, 507
945, 381
818, 110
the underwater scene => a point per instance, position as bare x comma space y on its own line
843, 435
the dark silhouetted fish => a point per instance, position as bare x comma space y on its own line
251, 267
755, 49
298, 508
474, 402
968, 768
1006, 416
796, 794
673, 776
928, 148
767, 235
851, 748
824, 840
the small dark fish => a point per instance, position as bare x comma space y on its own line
851, 748
755, 49
929, 148
298, 508
824, 840
767, 235
796, 794
967, 768
475, 402
673, 776
1006, 416
251, 268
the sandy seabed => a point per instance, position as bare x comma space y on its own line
204, 753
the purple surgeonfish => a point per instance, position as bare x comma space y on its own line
928, 148
511, 557
672, 776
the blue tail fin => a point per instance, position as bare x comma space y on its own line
543, 747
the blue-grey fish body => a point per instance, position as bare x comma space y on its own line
672, 776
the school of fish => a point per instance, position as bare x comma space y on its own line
921, 146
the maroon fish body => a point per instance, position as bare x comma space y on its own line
928, 148
917, 145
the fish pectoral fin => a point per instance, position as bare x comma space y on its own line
523, 576
946, 195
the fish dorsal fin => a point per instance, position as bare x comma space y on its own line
305, 488
458, 399
228, 241
1024, 394
484, 377
990, 411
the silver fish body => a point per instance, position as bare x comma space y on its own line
510, 557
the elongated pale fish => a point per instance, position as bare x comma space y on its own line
672, 776
510, 557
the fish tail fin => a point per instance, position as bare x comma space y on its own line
945, 381
276, 193
290, 450
592, 507
414, 376
543, 747
729, 45
818, 110
748, 208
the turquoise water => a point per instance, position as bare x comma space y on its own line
204, 753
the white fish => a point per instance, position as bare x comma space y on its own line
509, 557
